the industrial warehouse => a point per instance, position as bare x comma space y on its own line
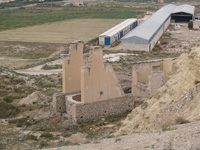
146, 35
117, 32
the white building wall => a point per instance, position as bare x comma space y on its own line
196, 24
101, 40
136, 47
160, 33
146, 47
114, 38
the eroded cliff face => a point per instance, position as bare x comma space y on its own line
179, 97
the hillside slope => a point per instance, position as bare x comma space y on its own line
178, 98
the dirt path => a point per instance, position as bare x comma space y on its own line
182, 137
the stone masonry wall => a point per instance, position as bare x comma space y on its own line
59, 102
93, 111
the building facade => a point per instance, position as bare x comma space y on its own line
147, 34
117, 32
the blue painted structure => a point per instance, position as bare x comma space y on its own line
107, 41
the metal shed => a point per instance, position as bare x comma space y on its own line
145, 36
183, 13
117, 32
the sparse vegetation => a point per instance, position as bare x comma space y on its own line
190, 25
67, 143
127, 90
8, 110
29, 50
11, 19
181, 120
47, 135
51, 67
43, 144
196, 81
167, 128
31, 137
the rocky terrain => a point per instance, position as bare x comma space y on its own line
178, 98
177, 137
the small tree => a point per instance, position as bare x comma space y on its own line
190, 24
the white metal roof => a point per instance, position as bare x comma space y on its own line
148, 28
184, 8
151, 25
118, 27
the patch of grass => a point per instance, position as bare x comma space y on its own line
167, 128
8, 110
11, 19
31, 137
28, 50
47, 135
19, 122
10, 98
43, 144
7, 99
51, 67
196, 81
66, 143
181, 120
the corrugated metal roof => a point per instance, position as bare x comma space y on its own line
149, 27
184, 8
118, 27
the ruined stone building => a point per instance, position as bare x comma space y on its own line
98, 81
91, 89
72, 68
147, 78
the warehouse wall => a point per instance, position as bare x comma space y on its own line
115, 38
137, 47
160, 33
101, 40
196, 24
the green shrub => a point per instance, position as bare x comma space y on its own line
66, 143
181, 120
8, 110
8, 99
196, 81
50, 67
31, 137
127, 90
43, 144
167, 128
190, 25
47, 135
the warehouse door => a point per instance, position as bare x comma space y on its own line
121, 34
107, 40
181, 17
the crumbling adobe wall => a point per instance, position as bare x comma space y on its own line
148, 77
98, 81
79, 111
72, 68
59, 103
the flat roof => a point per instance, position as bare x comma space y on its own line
118, 27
